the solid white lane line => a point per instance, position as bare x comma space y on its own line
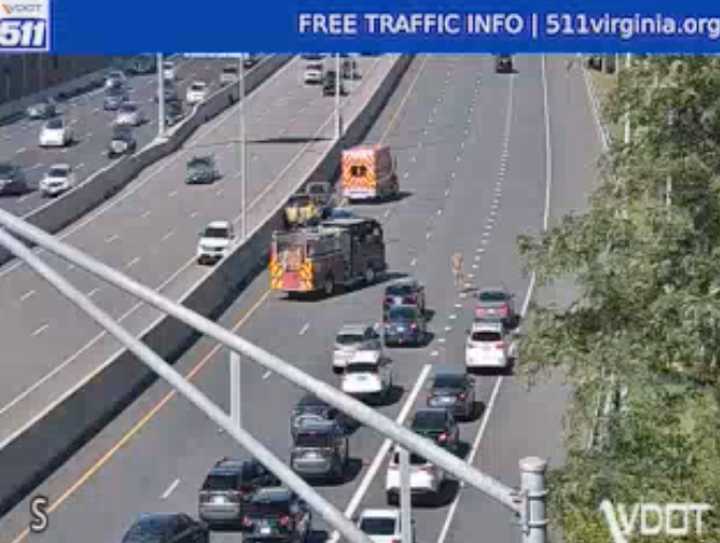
40, 330
27, 295
304, 329
382, 452
170, 489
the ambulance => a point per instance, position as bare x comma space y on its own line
368, 173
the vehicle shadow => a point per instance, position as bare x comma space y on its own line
316, 296
477, 413
353, 469
429, 314
447, 493
400, 196
394, 397
462, 449
289, 139
494, 372
317, 536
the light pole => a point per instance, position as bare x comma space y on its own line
161, 97
405, 497
338, 121
243, 161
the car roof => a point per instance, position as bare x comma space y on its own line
219, 224
227, 465
429, 410
311, 399
403, 306
448, 371
271, 494
381, 513
198, 82
497, 288
405, 281
365, 357
487, 326
60, 165
317, 426
353, 328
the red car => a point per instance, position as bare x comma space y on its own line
496, 304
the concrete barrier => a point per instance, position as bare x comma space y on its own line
108, 181
41, 448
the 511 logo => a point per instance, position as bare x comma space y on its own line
24, 25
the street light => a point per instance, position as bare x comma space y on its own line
161, 97
338, 120
243, 143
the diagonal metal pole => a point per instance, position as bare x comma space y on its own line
161, 96
189, 391
368, 416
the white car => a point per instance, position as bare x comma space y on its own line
215, 242
58, 179
426, 479
351, 338
196, 92
115, 79
55, 133
383, 525
129, 114
313, 73
488, 346
368, 374
168, 70
229, 74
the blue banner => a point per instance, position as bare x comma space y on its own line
82, 26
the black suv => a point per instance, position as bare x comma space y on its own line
329, 84
404, 292
439, 425
166, 528
312, 408
320, 450
276, 514
228, 486
504, 64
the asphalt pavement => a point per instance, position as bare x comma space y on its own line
92, 127
472, 154
150, 230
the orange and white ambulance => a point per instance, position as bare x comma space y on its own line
368, 173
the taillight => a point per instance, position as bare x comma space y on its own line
480, 310
247, 522
284, 521
410, 299
503, 310
413, 326
396, 541
500, 345
461, 396
442, 437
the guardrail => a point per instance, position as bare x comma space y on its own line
84, 410
108, 181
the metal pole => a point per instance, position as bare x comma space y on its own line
329, 393
235, 389
532, 485
161, 97
243, 161
626, 137
338, 127
332, 515
405, 497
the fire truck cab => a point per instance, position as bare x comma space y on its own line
341, 252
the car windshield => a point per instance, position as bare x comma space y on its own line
449, 381
220, 482
486, 336
58, 172
378, 526
220, 233
314, 67
5, 169
313, 439
115, 91
361, 367
198, 86
399, 290
55, 124
317, 189
230, 70
402, 314
299, 200
415, 459
146, 530
429, 420
492, 296
199, 163
128, 108
349, 339
168, 65
115, 75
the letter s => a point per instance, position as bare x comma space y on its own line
38, 512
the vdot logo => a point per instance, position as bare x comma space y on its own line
21, 9
648, 519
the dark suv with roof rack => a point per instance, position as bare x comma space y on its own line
320, 450
312, 408
276, 514
227, 488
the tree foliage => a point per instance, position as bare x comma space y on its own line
643, 334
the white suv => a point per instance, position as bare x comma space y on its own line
368, 374
426, 479
351, 338
215, 242
383, 525
488, 346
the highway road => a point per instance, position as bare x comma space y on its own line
150, 230
93, 128
472, 152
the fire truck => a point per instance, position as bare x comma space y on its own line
341, 252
